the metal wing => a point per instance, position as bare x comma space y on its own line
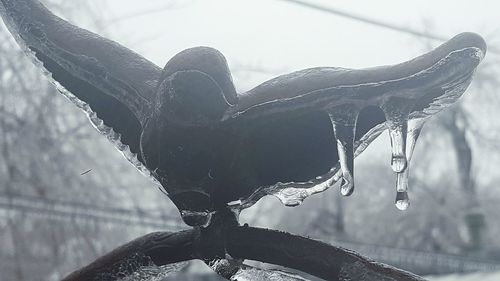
322, 88
347, 109
113, 84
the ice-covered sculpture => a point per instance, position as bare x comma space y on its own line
214, 149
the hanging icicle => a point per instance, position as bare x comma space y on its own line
344, 126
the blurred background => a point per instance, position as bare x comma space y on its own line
67, 196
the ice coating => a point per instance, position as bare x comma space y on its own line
139, 267
37, 32
400, 115
330, 96
97, 123
235, 270
293, 194
255, 274
196, 218
364, 272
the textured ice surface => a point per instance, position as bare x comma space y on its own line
255, 274
235, 270
139, 267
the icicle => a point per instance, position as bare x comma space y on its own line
344, 126
414, 129
397, 112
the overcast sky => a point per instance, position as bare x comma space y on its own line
278, 36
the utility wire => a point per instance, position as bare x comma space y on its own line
141, 13
55, 202
76, 211
375, 22
366, 20
445, 262
173, 5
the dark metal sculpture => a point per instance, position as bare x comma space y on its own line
213, 149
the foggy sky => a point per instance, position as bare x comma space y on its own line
282, 37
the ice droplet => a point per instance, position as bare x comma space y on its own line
344, 126
402, 201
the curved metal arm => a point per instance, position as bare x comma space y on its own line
269, 246
161, 248
308, 255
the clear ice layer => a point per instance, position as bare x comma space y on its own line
235, 270
139, 267
108, 132
255, 274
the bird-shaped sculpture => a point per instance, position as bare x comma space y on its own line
211, 147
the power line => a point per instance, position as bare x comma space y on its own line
53, 209
375, 22
169, 6
141, 13
418, 260
366, 20
74, 205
